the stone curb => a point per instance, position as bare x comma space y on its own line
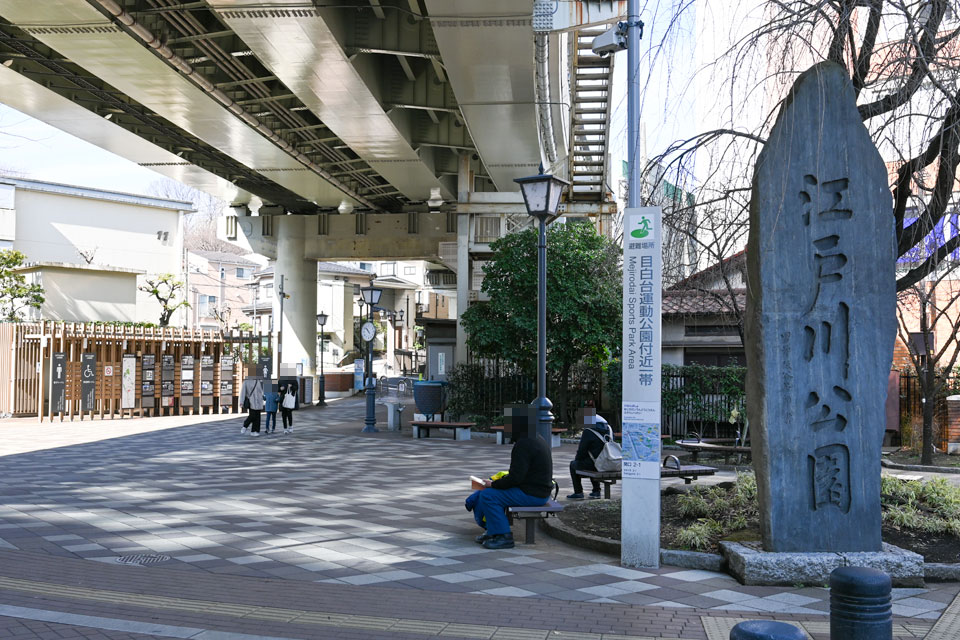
918, 467
673, 557
941, 572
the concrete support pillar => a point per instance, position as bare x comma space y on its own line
348, 317
298, 322
464, 187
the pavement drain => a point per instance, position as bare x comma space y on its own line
142, 559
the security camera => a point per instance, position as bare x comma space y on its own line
611, 41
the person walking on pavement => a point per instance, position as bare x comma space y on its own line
271, 402
591, 444
251, 398
288, 402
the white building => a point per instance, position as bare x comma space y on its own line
85, 244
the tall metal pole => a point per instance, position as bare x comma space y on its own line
634, 27
370, 422
323, 380
280, 325
543, 405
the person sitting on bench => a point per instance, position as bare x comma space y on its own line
527, 484
591, 444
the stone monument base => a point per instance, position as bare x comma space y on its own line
751, 565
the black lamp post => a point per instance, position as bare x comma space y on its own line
322, 383
541, 195
398, 323
371, 296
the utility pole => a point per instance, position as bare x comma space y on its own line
634, 33
280, 325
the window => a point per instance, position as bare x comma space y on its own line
268, 291
715, 357
206, 305
243, 273
366, 266
409, 271
710, 330
388, 269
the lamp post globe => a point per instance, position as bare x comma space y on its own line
541, 195
321, 322
371, 296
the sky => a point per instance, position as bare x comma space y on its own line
39, 151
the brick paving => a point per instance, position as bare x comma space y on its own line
325, 533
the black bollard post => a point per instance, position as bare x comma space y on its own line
860, 604
766, 630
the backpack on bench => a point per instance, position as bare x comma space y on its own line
610, 457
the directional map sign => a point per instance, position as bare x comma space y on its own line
58, 382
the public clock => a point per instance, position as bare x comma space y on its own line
368, 331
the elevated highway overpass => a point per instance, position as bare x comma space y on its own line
342, 129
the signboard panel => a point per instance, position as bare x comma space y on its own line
265, 367
88, 381
226, 380
167, 380
148, 382
642, 293
128, 382
186, 381
206, 381
58, 382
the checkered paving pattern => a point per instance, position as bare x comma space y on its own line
329, 505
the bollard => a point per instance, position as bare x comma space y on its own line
766, 630
860, 604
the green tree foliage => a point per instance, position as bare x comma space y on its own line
15, 294
583, 301
165, 288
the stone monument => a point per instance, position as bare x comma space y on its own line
820, 321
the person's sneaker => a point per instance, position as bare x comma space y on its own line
286, 431
575, 496
594, 495
499, 541
243, 431
256, 434
483, 537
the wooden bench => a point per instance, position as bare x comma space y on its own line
671, 469
531, 515
707, 447
461, 430
554, 433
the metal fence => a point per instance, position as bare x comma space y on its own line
911, 404
697, 401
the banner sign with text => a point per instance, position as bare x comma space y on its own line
642, 286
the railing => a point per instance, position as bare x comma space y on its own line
911, 404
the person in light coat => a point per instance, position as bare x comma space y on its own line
251, 398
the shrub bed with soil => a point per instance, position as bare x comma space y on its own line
923, 517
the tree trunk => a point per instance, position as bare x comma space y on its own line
929, 404
562, 395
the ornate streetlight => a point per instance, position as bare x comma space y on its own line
322, 321
541, 195
371, 296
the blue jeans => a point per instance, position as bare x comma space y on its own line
271, 415
491, 504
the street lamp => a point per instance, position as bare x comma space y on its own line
322, 321
371, 296
541, 195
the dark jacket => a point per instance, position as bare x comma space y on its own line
531, 468
590, 445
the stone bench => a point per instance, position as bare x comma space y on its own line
461, 430
531, 515
671, 469
697, 447
554, 435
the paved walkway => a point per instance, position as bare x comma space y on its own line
326, 533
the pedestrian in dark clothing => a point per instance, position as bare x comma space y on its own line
251, 398
527, 484
591, 444
288, 402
